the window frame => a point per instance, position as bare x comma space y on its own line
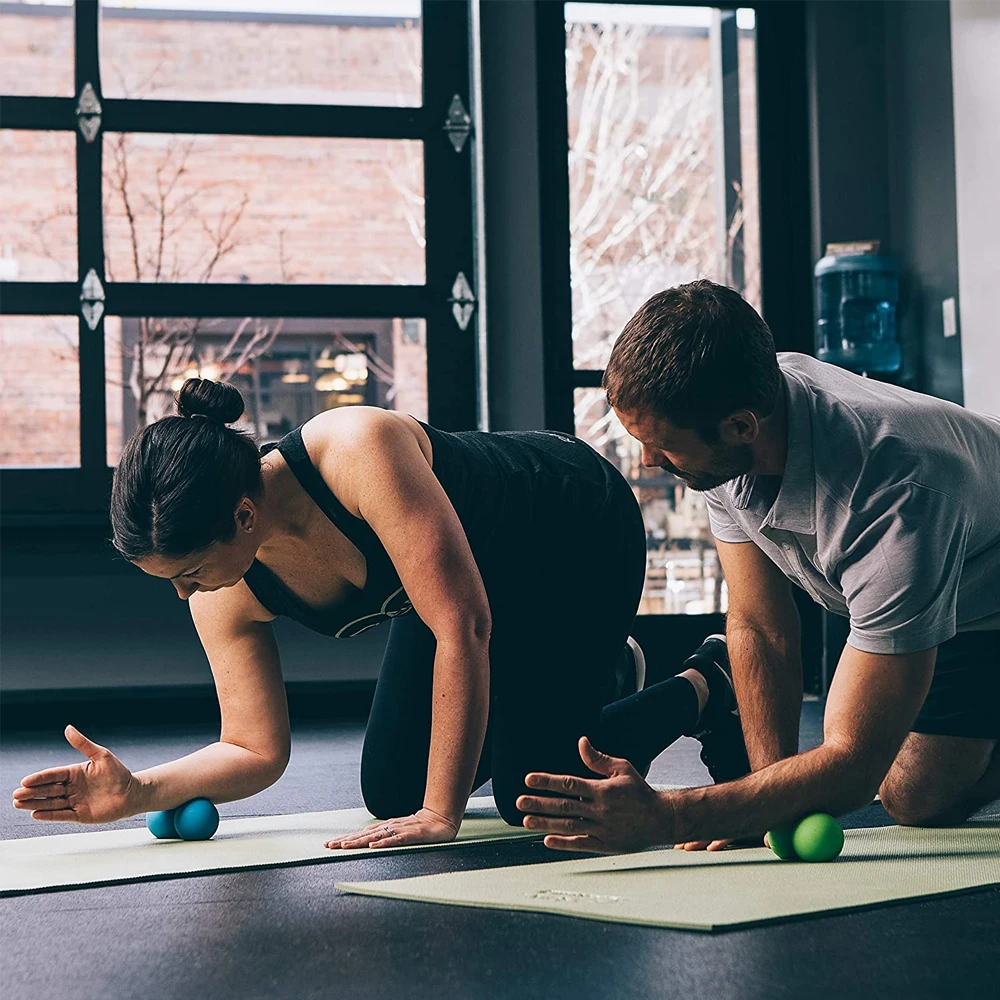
80, 495
783, 183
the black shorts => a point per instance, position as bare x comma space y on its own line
964, 699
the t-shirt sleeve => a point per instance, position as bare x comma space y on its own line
723, 524
901, 571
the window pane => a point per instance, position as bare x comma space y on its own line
37, 48
37, 206
682, 568
647, 204
287, 369
263, 51
263, 209
39, 391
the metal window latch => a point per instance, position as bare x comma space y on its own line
88, 113
92, 299
463, 300
457, 123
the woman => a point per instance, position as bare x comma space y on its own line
510, 566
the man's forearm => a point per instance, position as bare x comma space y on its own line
825, 779
767, 674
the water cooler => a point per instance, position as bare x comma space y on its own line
856, 297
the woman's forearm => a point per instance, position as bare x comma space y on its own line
221, 772
459, 713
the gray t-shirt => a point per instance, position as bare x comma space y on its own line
888, 510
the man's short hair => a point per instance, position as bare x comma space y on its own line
694, 354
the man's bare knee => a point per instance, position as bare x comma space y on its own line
932, 781
909, 815
908, 805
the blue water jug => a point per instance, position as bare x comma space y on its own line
856, 298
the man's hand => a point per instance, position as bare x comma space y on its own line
720, 845
614, 814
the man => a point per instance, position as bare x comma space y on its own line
884, 505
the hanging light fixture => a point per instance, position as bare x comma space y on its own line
331, 382
292, 374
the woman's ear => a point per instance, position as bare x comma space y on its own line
246, 515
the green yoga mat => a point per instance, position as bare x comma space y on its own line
705, 892
107, 857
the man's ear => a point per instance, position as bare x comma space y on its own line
740, 427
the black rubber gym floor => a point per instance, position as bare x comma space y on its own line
288, 934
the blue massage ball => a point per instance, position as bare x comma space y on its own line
161, 824
196, 820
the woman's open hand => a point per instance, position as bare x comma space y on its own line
424, 827
98, 790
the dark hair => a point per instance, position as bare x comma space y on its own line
180, 479
694, 354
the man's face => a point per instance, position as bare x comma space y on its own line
702, 466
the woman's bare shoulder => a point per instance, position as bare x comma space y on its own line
342, 443
349, 425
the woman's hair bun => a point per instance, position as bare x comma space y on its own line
217, 400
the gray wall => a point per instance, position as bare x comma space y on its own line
74, 615
975, 27
883, 159
923, 231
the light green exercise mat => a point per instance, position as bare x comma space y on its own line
705, 892
73, 860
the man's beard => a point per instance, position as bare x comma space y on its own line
727, 464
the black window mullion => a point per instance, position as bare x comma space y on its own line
236, 299
237, 118
783, 171
448, 207
90, 247
584, 378
218, 117
39, 298
37, 113
553, 179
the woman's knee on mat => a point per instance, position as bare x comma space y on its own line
387, 795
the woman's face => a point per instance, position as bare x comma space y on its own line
222, 564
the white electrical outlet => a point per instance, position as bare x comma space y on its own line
948, 317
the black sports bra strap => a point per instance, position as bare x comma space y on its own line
293, 449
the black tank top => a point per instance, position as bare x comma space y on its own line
496, 482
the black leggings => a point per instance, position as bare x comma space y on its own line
562, 599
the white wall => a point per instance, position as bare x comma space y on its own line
975, 59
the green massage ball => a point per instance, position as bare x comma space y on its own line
161, 824
781, 842
818, 837
196, 820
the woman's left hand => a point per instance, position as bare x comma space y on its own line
424, 827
